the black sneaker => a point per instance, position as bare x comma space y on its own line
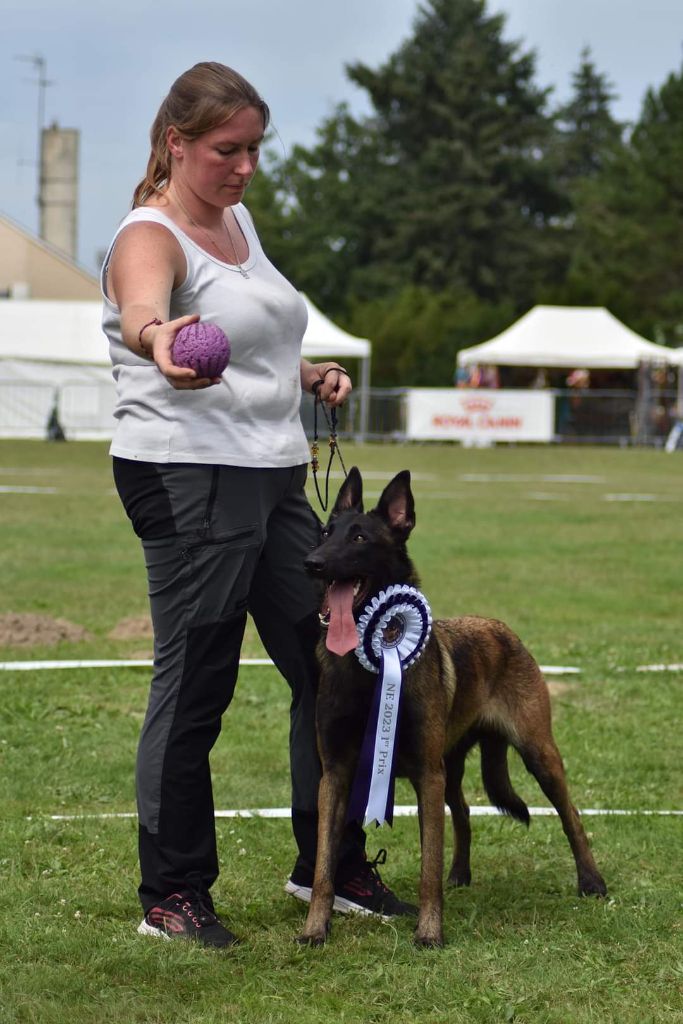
187, 916
363, 893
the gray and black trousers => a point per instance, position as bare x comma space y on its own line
219, 542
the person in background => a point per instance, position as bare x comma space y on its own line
489, 377
461, 378
211, 473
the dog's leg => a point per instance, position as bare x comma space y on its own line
430, 789
543, 760
460, 873
332, 803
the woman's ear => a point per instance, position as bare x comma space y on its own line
174, 142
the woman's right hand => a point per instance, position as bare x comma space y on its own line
158, 342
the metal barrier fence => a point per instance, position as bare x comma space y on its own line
85, 411
616, 417
82, 410
385, 416
581, 417
595, 417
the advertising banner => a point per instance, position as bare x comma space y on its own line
479, 415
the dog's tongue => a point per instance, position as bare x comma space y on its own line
342, 635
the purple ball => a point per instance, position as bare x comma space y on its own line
202, 347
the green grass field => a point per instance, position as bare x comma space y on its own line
579, 550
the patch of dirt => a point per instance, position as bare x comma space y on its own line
141, 655
32, 630
137, 627
558, 687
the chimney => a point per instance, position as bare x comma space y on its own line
59, 188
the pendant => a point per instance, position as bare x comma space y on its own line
244, 273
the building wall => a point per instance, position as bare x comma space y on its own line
32, 269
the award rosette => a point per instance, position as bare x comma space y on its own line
393, 631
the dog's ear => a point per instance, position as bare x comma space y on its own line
350, 494
396, 505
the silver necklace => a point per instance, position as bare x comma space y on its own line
207, 234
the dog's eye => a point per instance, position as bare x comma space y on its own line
324, 533
359, 539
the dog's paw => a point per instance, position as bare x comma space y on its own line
428, 941
311, 940
460, 878
592, 885
315, 937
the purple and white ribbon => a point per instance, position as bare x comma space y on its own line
393, 631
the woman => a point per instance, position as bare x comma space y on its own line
211, 473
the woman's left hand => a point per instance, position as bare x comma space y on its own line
329, 380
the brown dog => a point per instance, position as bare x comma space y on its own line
474, 683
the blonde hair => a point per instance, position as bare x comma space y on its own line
203, 98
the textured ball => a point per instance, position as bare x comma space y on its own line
202, 347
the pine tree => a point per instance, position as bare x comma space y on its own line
445, 185
588, 133
463, 127
587, 138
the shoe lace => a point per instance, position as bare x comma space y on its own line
374, 874
201, 902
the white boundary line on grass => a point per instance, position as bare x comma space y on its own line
660, 668
400, 811
20, 489
30, 666
36, 666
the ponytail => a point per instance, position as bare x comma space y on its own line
158, 170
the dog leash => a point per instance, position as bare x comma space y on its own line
333, 443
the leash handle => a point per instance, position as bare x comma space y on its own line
333, 444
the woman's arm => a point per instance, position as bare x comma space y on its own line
336, 383
146, 265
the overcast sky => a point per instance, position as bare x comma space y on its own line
111, 64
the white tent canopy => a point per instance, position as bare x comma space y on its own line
566, 336
324, 338
676, 356
71, 332
56, 350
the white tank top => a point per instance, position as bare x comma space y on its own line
252, 417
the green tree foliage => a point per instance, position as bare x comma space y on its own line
461, 200
328, 215
444, 185
437, 206
629, 255
417, 332
265, 206
588, 134
462, 130
587, 137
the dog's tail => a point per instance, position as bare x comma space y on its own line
494, 772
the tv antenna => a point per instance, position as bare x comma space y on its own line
40, 65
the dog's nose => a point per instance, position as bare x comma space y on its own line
314, 564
